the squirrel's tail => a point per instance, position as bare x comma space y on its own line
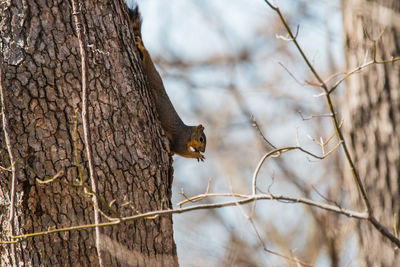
136, 21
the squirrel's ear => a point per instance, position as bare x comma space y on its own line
200, 127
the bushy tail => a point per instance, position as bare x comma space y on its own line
136, 22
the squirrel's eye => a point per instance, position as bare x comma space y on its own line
201, 139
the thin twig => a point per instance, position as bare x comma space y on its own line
86, 128
8, 169
46, 179
203, 196
257, 126
359, 68
293, 38
292, 259
291, 74
289, 39
324, 197
13, 166
198, 198
313, 116
52, 179
245, 109
78, 165
250, 219
277, 152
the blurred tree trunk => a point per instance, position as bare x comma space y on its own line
42, 91
372, 114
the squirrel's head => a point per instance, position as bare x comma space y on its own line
198, 139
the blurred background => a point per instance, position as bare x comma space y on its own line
224, 63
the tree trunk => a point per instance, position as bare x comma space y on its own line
372, 114
42, 90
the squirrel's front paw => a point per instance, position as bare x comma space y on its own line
200, 157
197, 155
191, 153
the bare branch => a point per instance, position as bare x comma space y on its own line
384, 231
246, 200
331, 108
336, 124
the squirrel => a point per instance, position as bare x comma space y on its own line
186, 141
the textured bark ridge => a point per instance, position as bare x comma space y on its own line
42, 83
372, 109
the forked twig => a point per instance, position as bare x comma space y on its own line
276, 153
383, 230
358, 69
328, 99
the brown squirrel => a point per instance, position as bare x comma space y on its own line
186, 141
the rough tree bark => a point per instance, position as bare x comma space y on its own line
372, 112
42, 91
